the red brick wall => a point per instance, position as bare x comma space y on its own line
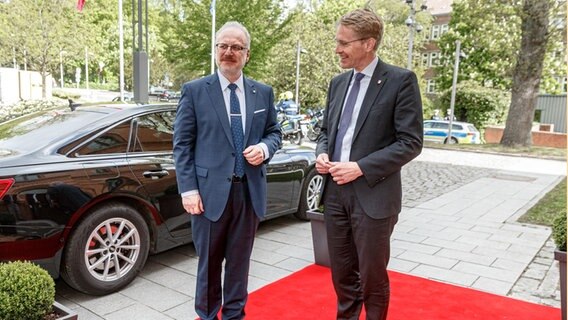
539, 138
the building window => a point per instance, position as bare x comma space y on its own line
431, 86
425, 60
434, 61
435, 34
444, 28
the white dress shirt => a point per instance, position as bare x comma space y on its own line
365, 81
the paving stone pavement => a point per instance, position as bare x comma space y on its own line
457, 226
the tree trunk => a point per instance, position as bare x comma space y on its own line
527, 73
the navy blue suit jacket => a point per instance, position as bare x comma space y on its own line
203, 145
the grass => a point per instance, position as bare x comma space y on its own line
550, 206
534, 151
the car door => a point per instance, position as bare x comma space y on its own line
280, 177
440, 131
151, 161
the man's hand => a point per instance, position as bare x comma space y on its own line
192, 204
344, 172
323, 164
254, 155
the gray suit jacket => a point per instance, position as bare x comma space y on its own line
203, 145
388, 134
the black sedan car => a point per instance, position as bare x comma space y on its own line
89, 193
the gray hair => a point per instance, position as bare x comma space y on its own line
236, 25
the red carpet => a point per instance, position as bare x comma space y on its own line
308, 294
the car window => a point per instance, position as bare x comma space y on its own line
441, 125
111, 141
41, 128
471, 128
457, 127
428, 124
154, 132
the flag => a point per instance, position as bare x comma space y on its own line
80, 4
211, 8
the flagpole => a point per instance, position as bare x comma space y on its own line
212, 9
121, 51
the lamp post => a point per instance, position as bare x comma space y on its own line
412, 26
299, 50
61, 83
86, 68
459, 54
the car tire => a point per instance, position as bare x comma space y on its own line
309, 198
95, 272
452, 141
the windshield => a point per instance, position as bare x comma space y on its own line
41, 128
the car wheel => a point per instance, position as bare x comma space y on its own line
452, 140
107, 250
309, 198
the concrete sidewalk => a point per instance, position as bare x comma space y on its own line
458, 225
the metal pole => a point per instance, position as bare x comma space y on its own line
140, 41
87, 68
213, 17
61, 68
453, 97
297, 73
411, 27
121, 51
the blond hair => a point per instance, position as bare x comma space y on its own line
366, 23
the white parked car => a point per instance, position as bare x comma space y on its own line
462, 132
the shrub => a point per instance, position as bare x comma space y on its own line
476, 104
65, 95
25, 107
26, 291
559, 232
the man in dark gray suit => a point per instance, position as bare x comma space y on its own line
225, 133
372, 127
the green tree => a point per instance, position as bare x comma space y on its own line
488, 31
528, 72
490, 35
38, 30
315, 28
188, 41
476, 104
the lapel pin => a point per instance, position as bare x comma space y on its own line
253, 91
379, 82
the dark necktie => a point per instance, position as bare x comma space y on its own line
346, 117
237, 132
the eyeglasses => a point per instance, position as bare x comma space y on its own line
342, 43
234, 47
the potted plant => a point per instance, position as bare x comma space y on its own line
319, 237
559, 235
28, 292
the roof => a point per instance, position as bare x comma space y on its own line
436, 7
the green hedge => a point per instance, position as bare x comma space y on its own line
476, 104
26, 291
559, 231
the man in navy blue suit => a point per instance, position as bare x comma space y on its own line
225, 133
